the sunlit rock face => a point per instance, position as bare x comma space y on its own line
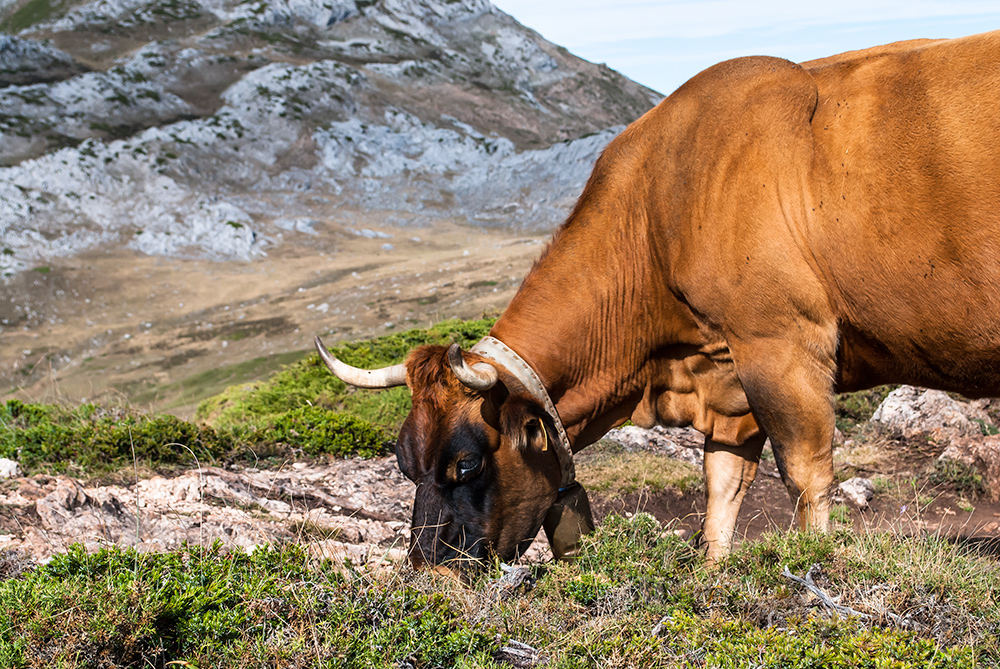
199, 128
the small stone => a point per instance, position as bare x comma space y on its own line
9, 469
857, 491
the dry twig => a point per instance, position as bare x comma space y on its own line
828, 601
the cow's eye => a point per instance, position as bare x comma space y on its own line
468, 467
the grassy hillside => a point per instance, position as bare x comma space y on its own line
300, 411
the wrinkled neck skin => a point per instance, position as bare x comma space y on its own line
597, 320
579, 325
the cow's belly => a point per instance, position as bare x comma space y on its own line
959, 356
917, 299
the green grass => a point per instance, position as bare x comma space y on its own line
966, 479
638, 596
204, 385
614, 472
309, 383
30, 13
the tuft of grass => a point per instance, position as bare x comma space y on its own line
621, 473
309, 383
965, 478
840, 513
854, 409
865, 450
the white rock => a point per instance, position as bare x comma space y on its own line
857, 491
916, 412
9, 469
679, 443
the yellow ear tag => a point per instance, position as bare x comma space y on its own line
545, 434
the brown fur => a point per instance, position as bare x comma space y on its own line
769, 234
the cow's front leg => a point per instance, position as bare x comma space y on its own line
729, 472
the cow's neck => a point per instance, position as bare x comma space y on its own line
584, 319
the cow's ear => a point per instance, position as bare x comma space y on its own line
525, 424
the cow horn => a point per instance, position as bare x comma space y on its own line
480, 376
387, 377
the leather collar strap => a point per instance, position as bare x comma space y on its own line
496, 350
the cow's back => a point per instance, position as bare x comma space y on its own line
905, 211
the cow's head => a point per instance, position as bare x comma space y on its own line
476, 443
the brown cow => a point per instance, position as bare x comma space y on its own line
767, 236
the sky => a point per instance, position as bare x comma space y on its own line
663, 43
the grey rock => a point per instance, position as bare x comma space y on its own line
684, 444
213, 142
24, 62
347, 509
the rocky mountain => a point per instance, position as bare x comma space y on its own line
222, 128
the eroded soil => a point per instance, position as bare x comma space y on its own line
360, 509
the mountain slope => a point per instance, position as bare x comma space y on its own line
358, 166
217, 129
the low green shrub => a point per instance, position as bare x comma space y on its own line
320, 432
211, 608
87, 438
92, 441
309, 382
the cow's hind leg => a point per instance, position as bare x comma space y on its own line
790, 388
729, 472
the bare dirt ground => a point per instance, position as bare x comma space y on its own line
164, 333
